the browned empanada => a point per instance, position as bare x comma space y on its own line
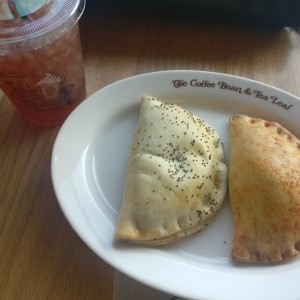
176, 179
264, 187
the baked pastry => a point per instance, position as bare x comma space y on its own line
264, 188
176, 178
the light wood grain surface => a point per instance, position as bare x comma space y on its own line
40, 255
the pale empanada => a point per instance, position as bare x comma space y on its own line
176, 179
264, 186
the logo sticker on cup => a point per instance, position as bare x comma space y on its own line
25, 8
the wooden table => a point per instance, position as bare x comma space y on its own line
41, 257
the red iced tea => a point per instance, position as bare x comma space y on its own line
45, 79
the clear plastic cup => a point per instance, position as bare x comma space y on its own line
41, 66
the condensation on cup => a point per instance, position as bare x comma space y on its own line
41, 66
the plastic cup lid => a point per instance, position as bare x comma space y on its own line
28, 24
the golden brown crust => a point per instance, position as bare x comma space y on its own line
264, 187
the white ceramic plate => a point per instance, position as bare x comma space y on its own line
88, 166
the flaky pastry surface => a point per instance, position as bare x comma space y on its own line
264, 187
176, 177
